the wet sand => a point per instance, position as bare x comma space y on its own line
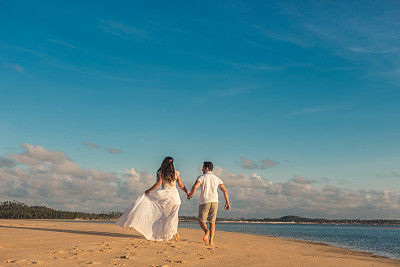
54, 243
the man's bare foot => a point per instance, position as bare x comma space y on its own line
205, 238
211, 243
176, 236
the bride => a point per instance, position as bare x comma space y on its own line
155, 213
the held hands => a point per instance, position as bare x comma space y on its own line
189, 196
227, 206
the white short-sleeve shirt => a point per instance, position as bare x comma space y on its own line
209, 187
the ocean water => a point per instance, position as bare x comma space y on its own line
378, 240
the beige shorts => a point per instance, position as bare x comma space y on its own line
208, 212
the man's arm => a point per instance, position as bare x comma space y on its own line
226, 196
195, 186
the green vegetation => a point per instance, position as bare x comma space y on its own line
297, 219
17, 210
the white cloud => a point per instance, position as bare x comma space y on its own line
301, 180
15, 67
240, 180
6, 162
91, 145
113, 150
389, 175
298, 196
365, 34
110, 150
283, 36
124, 31
100, 175
43, 177
19, 69
37, 154
134, 183
250, 164
395, 174
69, 168
63, 43
268, 163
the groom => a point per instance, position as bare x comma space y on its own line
208, 207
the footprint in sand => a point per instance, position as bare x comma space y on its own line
92, 262
126, 257
15, 261
176, 261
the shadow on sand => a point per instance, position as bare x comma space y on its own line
75, 232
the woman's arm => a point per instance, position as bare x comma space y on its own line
155, 186
181, 186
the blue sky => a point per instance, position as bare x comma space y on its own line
297, 103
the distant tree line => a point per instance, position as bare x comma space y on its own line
17, 210
297, 219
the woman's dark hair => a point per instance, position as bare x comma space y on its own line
209, 165
167, 169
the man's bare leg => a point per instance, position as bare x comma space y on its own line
212, 232
203, 226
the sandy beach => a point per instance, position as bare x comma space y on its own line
54, 243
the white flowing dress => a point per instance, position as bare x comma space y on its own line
154, 215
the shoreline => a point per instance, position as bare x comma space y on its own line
62, 243
295, 223
393, 226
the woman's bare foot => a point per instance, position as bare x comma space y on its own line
205, 238
211, 243
176, 236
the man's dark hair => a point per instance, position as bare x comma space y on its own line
209, 165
